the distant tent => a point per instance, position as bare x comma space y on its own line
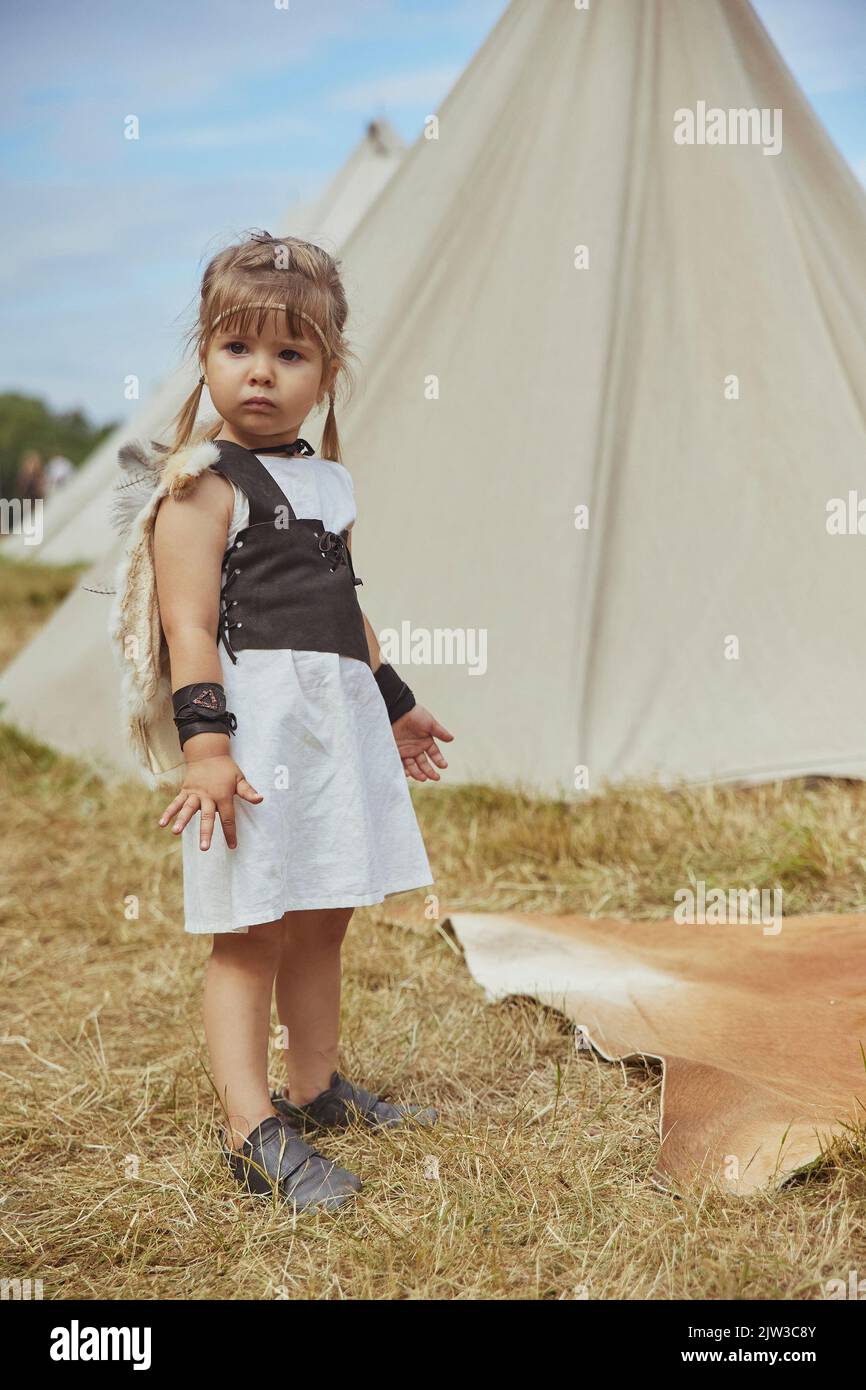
696, 379
76, 525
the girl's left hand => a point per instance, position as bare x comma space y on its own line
413, 734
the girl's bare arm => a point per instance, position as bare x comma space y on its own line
189, 542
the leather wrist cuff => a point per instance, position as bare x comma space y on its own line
395, 692
213, 726
200, 708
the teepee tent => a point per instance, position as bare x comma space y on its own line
63, 687
695, 378
76, 521
614, 376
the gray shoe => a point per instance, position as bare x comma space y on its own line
343, 1102
274, 1156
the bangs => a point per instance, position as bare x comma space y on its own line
245, 308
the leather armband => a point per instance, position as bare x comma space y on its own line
394, 691
200, 708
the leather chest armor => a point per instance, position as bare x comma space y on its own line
287, 582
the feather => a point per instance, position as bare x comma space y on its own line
139, 476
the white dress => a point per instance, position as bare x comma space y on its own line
337, 827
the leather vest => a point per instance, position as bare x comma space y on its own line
287, 582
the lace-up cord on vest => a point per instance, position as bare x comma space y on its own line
333, 547
224, 625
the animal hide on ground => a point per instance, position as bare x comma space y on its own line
760, 1036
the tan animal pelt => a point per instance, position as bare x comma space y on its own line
759, 1029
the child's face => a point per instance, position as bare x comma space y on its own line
286, 372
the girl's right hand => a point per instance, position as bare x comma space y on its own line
210, 785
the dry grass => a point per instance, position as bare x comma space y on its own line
534, 1184
28, 595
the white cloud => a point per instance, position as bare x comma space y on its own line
162, 53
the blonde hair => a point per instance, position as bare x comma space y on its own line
246, 282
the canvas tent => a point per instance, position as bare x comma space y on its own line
76, 526
699, 386
561, 307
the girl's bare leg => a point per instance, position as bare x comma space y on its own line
308, 997
237, 1016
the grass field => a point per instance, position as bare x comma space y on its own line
533, 1185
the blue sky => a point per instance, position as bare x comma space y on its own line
244, 108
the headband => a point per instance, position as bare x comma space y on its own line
300, 313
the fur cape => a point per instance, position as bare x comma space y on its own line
134, 625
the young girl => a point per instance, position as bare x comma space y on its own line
292, 729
